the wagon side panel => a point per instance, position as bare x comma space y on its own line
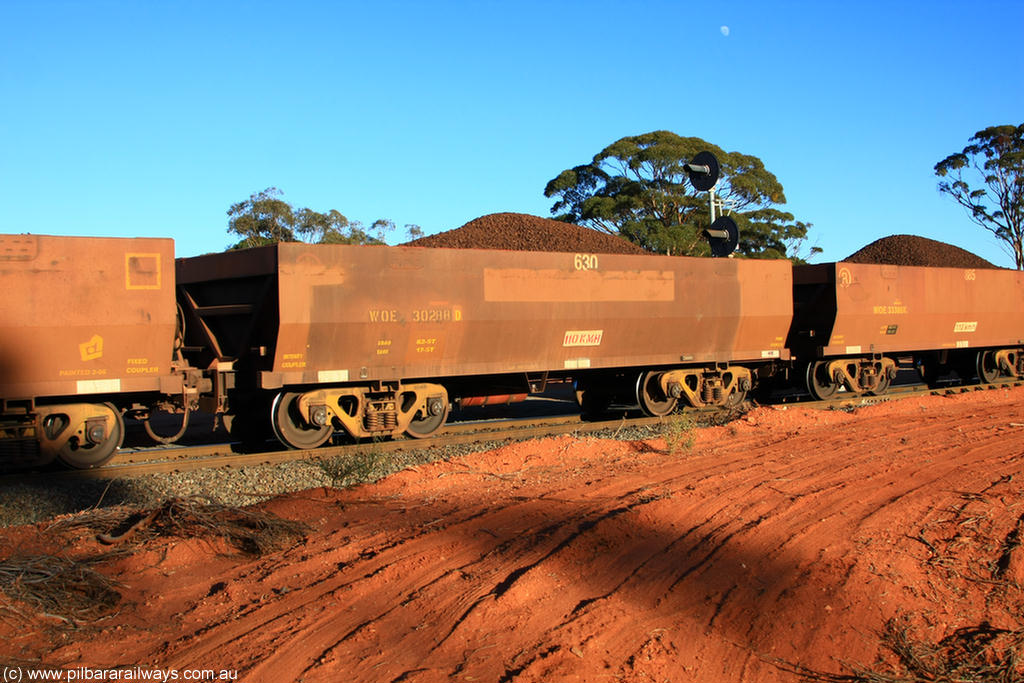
892, 309
85, 315
373, 313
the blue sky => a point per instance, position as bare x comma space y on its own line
152, 118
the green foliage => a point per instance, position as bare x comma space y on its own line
264, 219
678, 431
987, 179
637, 187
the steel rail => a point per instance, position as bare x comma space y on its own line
222, 456
162, 460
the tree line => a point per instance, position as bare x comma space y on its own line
264, 218
638, 188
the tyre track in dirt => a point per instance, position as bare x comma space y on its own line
789, 535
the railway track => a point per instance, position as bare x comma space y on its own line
133, 462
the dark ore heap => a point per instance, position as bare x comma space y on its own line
523, 232
911, 250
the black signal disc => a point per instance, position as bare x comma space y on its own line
702, 182
723, 246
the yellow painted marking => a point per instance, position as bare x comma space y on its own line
141, 271
92, 349
436, 315
845, 277
426, 344
585, 261
82, 372
140, 366
895, 308
383, 315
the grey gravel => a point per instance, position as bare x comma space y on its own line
43, 500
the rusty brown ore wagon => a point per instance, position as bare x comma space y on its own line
305, 340
382, 340
852, 321
87, 330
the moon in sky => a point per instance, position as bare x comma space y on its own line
724, 30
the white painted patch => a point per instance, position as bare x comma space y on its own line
583, 338
332, 376
98, 386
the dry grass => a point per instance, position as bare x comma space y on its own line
362, 467
973, 654
251, 532
73, 592
66, 590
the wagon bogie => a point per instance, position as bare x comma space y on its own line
721, 385
308, 419
858, 375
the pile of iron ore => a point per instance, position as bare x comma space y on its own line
911, 250
523, 232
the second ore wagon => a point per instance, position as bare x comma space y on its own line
382, 340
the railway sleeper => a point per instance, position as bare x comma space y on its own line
307, 420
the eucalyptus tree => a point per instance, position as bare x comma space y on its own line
987, 179
265, 218
638, 187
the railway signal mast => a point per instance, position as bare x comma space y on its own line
723, 234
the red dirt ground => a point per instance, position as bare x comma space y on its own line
789, 537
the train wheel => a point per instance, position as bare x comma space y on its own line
883, 385
291, 428
84, 451
651, 398
734, 399
819, 383
423, 426
987, 367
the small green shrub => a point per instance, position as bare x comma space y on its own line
678, 432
